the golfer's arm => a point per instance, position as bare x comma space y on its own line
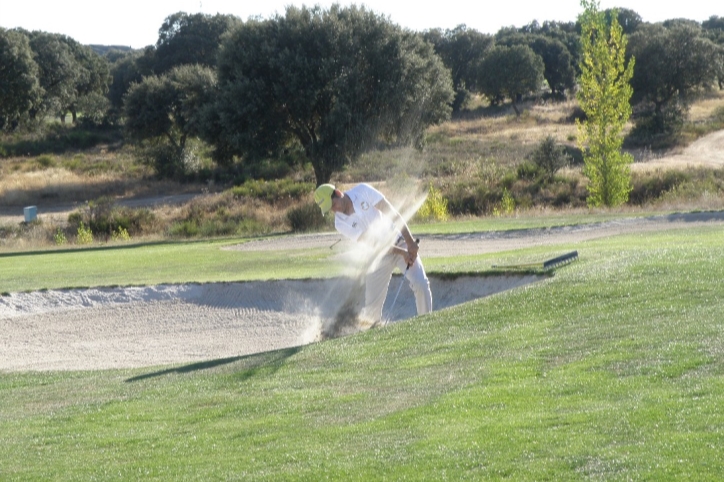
385, 207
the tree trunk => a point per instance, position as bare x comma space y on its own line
322, 173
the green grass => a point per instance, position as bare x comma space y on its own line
610, 370
151, 264
525, 221
207, 260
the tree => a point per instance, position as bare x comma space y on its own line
460, 49
604, 96
20, 90
714, 31
510, 72
58, 72
68, 71
567, 33
558, 70
332, 82
628, 19
167, 110
186, 39
91, 84
549, 157
128, 68
672, 65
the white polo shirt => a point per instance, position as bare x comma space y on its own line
366, 217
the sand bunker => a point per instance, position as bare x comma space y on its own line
143, 326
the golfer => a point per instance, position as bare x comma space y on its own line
363, 214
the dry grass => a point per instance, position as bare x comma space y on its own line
482, 146
706, 107
59, 185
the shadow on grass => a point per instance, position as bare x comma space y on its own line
696, 216
254, 364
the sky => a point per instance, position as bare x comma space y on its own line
135, 23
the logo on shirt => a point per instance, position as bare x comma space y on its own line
364, 205
354, 224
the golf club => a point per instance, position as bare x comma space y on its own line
402, 280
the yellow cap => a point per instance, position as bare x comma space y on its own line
323, 197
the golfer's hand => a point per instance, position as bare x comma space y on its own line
411, 253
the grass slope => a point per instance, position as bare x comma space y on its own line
610, 370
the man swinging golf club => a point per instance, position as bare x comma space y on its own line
363, 214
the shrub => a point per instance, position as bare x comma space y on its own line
165, 159
470, 198
85, 235
59, 237
273, 192
120, 234
549, 157
434, 208
184, 229
306, 217
528, 171
45, 161
102, 216
648, 188
506, 205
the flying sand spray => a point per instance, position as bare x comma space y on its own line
362, 259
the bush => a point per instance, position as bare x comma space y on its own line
471, 198
85, 235
184, 229
45, 161
549, 157
506, 205
273, 192
304, 218
102, 216
59, 237
528, 171
648, 188
435, 207
659, 129
120, 234
165, 160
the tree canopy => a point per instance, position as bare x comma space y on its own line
20, 90
333, 82
187, 39
68, 73
558, 68
169, 109
604, 96
461, 49
510, 72
672, 64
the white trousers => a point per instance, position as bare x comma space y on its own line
377, 283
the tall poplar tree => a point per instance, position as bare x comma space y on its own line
604, 96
